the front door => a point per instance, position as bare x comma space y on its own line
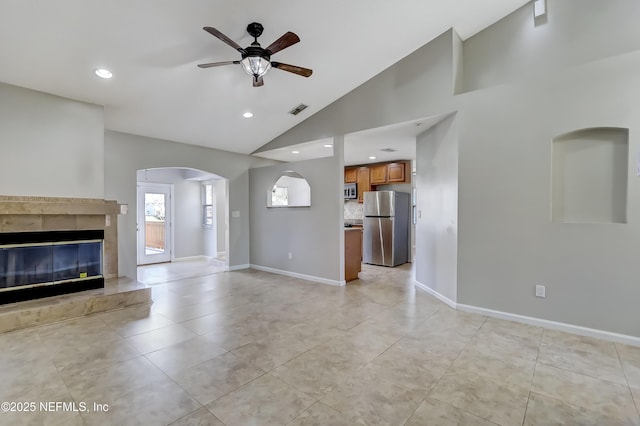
154, 223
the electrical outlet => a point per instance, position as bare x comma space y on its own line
541, 291
290, 256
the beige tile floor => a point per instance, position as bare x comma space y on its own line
252, 348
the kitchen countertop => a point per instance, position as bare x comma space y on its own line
352, 222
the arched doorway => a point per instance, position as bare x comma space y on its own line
182, 215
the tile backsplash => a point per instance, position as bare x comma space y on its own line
353, 210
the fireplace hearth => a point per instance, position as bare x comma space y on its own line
49, 263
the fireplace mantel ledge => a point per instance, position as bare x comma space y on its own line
16, 205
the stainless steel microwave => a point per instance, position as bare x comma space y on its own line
350, 191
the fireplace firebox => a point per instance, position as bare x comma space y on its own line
42, 264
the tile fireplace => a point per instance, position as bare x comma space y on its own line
56, 245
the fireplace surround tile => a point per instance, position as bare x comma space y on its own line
32, 213
20, 223
90, 222
118, 293
57, 222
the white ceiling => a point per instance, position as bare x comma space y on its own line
360, 146
153, 46
174, 174
401, 137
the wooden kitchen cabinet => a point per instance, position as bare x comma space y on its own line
378, 174
368, 176
363, 183
350, 174
352, 253
396, 172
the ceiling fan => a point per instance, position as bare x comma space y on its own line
256, 61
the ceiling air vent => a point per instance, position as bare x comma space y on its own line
297, 110
388, 150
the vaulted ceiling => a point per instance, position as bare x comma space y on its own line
153, 46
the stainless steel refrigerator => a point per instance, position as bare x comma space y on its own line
386, 228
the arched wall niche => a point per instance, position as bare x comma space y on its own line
589, 176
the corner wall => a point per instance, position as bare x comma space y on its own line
437, 203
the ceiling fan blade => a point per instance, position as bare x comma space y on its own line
283, 42
224, 38
305, 72
258, 82
217, 64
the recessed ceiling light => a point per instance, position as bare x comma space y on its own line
103, 73
247, 115
372, 158
295, 152
328, 145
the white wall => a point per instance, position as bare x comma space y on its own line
51, 146
576, 32
222, 220
437, 203
125, 154
188, 234
508, 243
312, 234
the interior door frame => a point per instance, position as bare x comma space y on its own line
141, 189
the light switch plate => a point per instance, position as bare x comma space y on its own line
235, 213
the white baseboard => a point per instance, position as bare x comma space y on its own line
297, 275
221, 254
238, 267
537, 322
554, 325
436, 294
191, 258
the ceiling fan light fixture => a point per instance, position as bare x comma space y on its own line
256, 60
103, 73
256, 66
